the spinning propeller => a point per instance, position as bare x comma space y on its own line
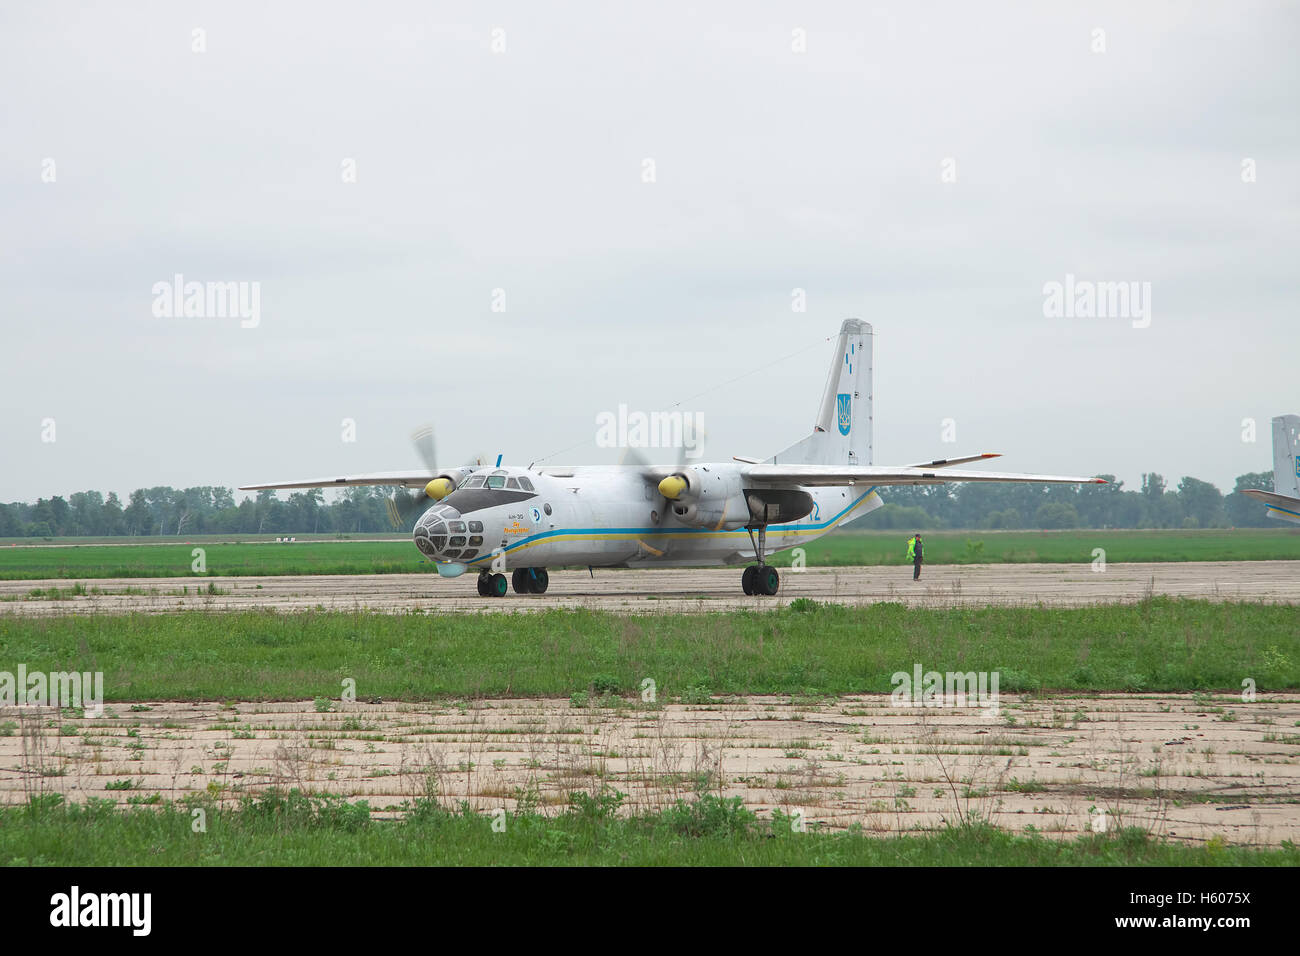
406, 506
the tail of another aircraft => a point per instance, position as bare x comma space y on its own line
842, 432
1284, 500
1286, 466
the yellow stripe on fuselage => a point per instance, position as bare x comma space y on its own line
690, 534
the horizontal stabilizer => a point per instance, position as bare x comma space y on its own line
949, 462
1279, 506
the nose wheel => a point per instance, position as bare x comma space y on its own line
492, 585
760, 578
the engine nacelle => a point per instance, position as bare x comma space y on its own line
704, 498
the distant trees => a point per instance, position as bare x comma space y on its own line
1242, 511
208, 509
1193, 504
203, 509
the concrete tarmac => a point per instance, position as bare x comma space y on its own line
658, 590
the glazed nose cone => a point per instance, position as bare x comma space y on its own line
436, 528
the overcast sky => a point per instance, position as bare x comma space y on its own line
794, 146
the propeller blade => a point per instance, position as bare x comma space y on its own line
633, 458
424, 445
405, 506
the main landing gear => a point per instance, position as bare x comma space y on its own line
761, 578
530, 580
491, 585
524, 581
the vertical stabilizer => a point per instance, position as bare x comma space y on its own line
1286, 441
842, 431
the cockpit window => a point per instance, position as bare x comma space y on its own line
475, 482
512, 483
496, 481
525, 484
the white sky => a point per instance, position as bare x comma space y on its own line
522, 170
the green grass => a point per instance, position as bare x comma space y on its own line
848, 548
1163, 644
221, 559
1052, 547
295, 830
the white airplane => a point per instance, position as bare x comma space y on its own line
494, 519
1284, 500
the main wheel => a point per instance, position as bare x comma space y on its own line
747, 579
497, 586
540, 580
768, 580
482, 585
519, 581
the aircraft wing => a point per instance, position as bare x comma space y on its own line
812, 475
403, 479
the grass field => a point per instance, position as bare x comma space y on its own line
806, 649
1161, 644
224, 558
295, 830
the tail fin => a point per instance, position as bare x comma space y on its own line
842, 432
1286, 466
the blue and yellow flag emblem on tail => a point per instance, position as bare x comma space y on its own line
845, 413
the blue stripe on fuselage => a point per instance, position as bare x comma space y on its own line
659, 532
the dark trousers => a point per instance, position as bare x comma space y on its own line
916, 569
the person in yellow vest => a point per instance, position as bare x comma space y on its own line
914, 552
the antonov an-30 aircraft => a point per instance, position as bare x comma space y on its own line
1284, 500
525, 520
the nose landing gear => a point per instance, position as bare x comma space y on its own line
761, 578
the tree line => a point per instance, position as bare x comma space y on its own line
207, 509
211, 509
1191, 504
